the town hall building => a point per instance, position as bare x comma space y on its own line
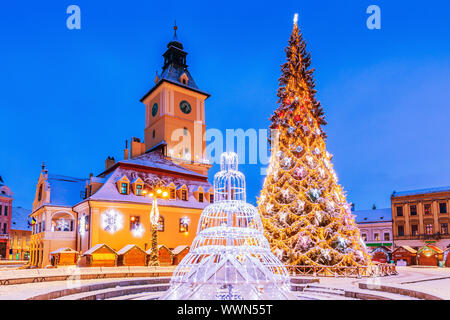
113, 207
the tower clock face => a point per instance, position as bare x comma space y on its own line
154, 109
185, 107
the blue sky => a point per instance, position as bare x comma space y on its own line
71, 97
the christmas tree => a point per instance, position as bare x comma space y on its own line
305, 213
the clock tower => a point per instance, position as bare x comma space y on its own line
175, 112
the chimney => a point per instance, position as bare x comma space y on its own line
137, 148
126, 152
109, 162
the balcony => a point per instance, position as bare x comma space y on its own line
424, 236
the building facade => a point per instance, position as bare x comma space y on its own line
6, 199
421, 217
113, 208
375, 227
20, 234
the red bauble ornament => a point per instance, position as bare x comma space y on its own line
297, 118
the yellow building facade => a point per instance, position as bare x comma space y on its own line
113, 208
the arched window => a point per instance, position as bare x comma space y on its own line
63, 222
161, 224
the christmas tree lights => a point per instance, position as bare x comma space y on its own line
305, 213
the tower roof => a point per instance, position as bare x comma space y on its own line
175, 70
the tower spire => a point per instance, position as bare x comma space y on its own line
175, 28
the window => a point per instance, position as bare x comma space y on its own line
43, 226
413, 210
39, 227
172, 194
414, 229
124, 188
71, 225
184, 224
184, 195
399, 211
376, 236
442, 207
6, 210
161, 224
387, 236
427, 208
444, 228
429, 228
211, 197
139, 189
185, 131
40, 193
200, 197
5, 228
134, 222
1, 207
401, 230
364, 237
153, 133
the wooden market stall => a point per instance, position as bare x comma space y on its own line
100, 255
429, 255
131, 255
179, 253
404, 255
165, 255
64, 257
381, 254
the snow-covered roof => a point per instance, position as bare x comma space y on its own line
108, 191
96, 247
420, 191
156, 160
377, 215
20, 219
432, 247
149, 251
127, 248
66, 249
179, 249
407, 248
65, 191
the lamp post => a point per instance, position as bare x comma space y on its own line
154, 218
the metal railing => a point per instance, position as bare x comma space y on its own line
376, 270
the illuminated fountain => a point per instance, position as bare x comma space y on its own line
230, 259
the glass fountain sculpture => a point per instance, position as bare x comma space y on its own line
230, 259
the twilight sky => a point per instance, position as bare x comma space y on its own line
71, 97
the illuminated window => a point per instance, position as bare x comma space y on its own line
429, 228
387, 236
414, 229
134, 222
427, 208
376, 236
399, 211
124, 188
161, 224
139, 189
413, 210
184, 224
444, 228
442, 207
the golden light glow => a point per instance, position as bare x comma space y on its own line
159, 191
165, 194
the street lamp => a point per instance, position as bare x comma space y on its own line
154, 219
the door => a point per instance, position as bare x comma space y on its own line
2, 250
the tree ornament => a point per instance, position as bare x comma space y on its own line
314, 195
299, 172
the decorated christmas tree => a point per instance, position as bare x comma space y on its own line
305, 213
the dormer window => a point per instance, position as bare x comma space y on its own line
183, 79
124, 188
210, 195
200, 197
211, 198
123, 185
40, 193
183, 192
138, 186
